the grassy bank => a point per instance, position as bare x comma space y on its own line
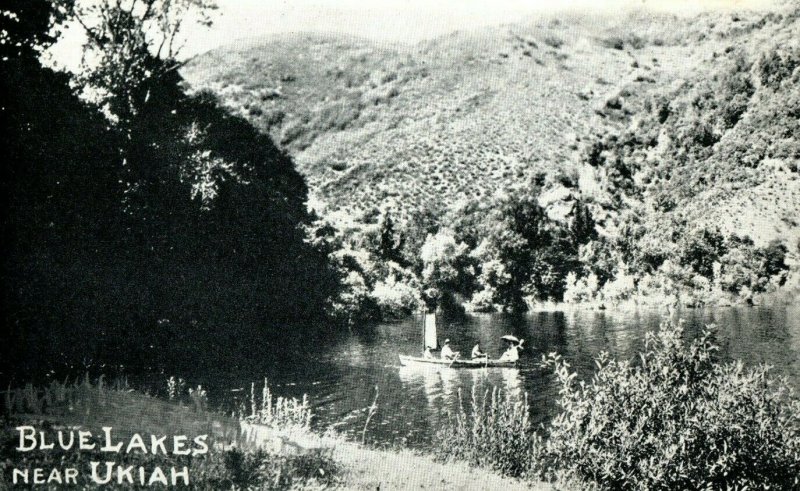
266, 445
161, 440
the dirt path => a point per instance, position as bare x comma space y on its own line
366, 468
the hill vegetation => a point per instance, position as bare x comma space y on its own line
571, 158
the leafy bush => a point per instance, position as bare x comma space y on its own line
776, 65
553, 41
620, 42
700, 248
395, 298
483, 300
580, 289
599, 258
754, 269
495, 432
676, 420
620, 288
353, 302
446, 266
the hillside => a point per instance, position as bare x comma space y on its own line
465, 116
584, 158
719, 146
473, 111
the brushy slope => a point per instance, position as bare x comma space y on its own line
469, 115
718, 147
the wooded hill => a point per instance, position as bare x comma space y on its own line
472, 114
634, 153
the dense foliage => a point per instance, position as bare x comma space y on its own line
510, 253
675, 418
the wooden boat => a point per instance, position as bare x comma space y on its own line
430, 341
419, 361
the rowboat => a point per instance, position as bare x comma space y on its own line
419, 361
430, 342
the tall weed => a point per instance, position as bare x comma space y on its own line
494, 432
281, 412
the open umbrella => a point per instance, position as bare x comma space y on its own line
509, 337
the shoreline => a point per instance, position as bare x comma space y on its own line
94, 408
786, 297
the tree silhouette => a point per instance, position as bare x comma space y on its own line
390, 241
176, 225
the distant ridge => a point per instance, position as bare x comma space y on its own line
469, 115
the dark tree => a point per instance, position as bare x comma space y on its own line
582, 225
59, 183
701, 249
171, 224
390, 241
536, 253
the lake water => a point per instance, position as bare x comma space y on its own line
342, 373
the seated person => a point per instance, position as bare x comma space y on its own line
477, 353
511, 354
447, 352
427, 354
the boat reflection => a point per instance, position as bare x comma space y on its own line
413, 377
512, 382
446, 389
450, 384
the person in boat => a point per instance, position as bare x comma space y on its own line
427, 353
447, 352
477, 353
512, 352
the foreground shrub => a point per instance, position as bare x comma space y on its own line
675, 420
495, 432
395, 298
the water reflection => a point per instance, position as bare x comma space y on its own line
426, 377
512, 383
446, 389
340, 375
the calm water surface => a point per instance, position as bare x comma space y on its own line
341, 374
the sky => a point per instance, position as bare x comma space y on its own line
404, 20
385, 20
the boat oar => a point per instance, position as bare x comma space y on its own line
453, 360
